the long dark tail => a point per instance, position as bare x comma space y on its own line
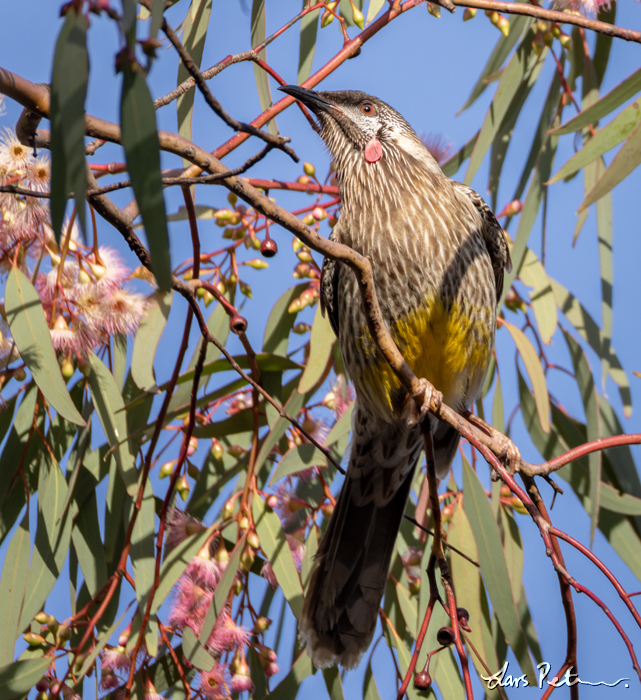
345, 592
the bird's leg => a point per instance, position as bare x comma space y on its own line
509, 452
431, 398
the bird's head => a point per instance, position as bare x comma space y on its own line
355, 125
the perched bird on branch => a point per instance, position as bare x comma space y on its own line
438, 256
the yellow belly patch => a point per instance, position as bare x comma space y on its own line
449, 348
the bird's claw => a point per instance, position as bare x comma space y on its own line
432, 399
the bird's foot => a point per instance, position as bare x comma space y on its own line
431, 399
509, 453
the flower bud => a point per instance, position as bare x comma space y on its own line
303, 180
238, 587
216, 450
183, 487
232, 198
309, 220
64, 634
83, 277
268, 248
446, 513
565, 41
34, 640
222, 555
167, 469
309, 169
257, 264
548, 38
193, 472
300, 329
19, 374
253, 540
295, 306
272, 501
42, 618
224, 215
434, 9
208, 297
518, 506
42, 686
469, 13
445, 636
327, 509
262, 624
246, 289
98, 270
358, 17
243, 523
319, 213
503, 25
247, 557
422, 680
227, 510
328, 17
414, 585
236, 451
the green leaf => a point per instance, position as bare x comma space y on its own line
535, 373
142, 552
195, 652
289, 686
292, 407
493, 566
147, 339
590, 401
370, 690
266, 363
219, 601
12, 588
193, 38
17, 679
297, 460
341, 428
601, 108
521, 63
68, 93
110, 408
617, 502
308, 31
603, 41
280, 322
88, 545
409, 608
532, 273
320, 348
453, 163
513, 549
276, 549
142, 153
175, 563
311, 547
33, 339
51, 543
333, 683
501, 51
468, 585
530, 209
258, 24
623, 163
587, 328
374, 8
618, 130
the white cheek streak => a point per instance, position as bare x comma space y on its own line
417, 151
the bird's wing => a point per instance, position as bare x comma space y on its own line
493, 235
329, 291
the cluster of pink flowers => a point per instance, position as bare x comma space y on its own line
228, 641
83, 295
591, 7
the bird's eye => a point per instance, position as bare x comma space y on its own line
367, 108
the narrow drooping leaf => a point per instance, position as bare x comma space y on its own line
308, 31
601, 108
17, 679
12, 588
333, 683
33, 339
146, 342
590, 401
297, 460
143, 547
68, 93
373, 9
51, 545
618, 130
276, 549
88, 545
320, 347
195, 652
533, 274
110, 408
193, 38
535, 373
625, 161
603, 44
587, 328
501, 51
280, 322
618, 503
311, 547
258, 24
142, 153
513, 549
516, 70
341, 428
493, 567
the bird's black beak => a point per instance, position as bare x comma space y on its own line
309, 98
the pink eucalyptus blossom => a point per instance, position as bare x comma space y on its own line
213, 684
